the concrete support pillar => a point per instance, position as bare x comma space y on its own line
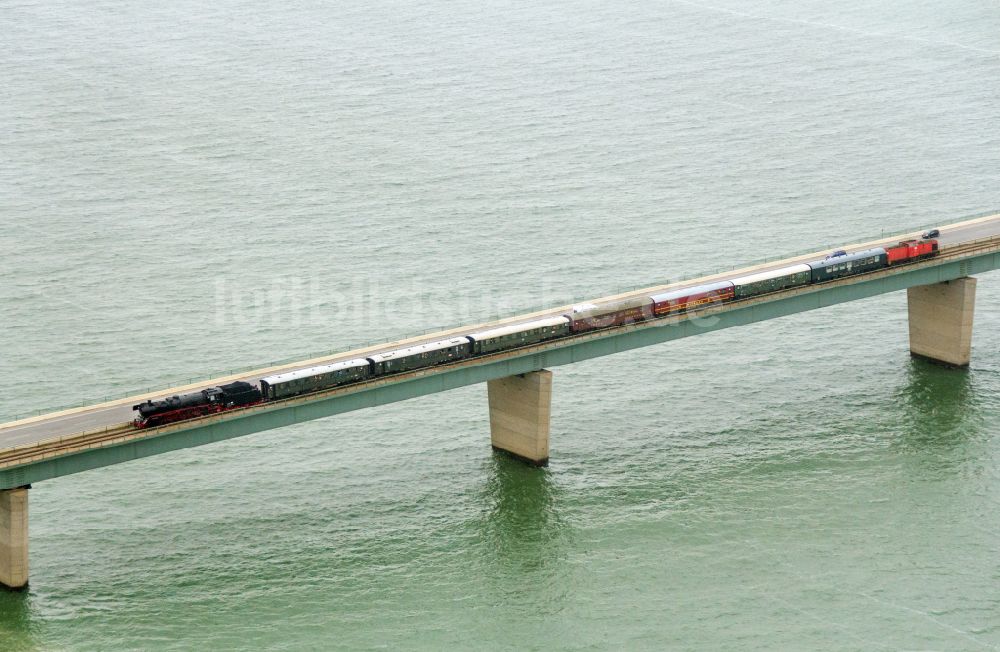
941, 321
14, 538
520, 407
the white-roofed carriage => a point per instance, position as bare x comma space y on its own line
421, 355
517, 335
314, 379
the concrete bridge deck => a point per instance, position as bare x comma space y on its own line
966, 247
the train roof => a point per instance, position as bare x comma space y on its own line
236, 384
419, 348
519, 328
630, 302
688, 291
584, 310
771, 274
315, 371
857, 255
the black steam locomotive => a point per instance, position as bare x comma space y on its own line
197, 404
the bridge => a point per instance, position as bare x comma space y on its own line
941, 297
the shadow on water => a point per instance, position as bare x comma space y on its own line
520, 528
15, 622
939, 407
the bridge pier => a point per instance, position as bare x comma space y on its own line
14, 538
520, 410
941, 321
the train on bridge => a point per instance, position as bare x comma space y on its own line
581, 318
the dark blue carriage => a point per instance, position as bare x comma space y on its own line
839, 266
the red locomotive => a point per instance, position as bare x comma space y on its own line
909, 250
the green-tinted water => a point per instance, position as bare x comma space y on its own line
189, 189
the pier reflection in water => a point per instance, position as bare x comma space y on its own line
940, 406
523, 535
15, 622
